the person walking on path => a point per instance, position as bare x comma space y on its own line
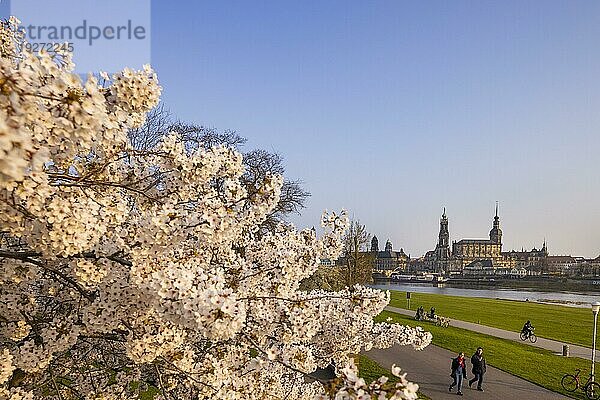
479, 367
459, 372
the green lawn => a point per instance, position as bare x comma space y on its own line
527, 362
370, 371
565, 324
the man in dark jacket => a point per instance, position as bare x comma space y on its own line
527, 328
459, 372
478, 362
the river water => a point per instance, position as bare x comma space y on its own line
579, 299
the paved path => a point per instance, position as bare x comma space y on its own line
552, 345
430, 368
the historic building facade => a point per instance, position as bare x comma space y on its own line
472, 255
467, 251
585, 267
388, 261
533, 260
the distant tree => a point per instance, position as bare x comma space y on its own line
328, 278
357, 262
355, 265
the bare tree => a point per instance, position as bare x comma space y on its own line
258, 163
355, 264
356, 261
159, 122
157, 125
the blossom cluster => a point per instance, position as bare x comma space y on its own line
126, 273
354, 387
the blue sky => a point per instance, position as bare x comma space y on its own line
394, 109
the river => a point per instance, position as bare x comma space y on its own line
579, 299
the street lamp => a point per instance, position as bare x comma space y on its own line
595, 309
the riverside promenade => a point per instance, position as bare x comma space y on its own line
430, 368
552, 345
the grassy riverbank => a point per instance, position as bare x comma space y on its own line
527, 362
565, 324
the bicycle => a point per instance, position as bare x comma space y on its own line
528, 335
571, 383
444, 322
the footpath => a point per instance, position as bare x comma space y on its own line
552, 345
430, 368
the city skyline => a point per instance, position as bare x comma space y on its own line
457, 236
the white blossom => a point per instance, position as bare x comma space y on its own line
123, 269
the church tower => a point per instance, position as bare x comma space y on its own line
444, 236
388, 246
545, 249
374, 244
496, 232
442, 250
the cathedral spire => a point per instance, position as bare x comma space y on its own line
444, 235
496, 232
496, 217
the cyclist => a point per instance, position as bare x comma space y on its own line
527, 328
